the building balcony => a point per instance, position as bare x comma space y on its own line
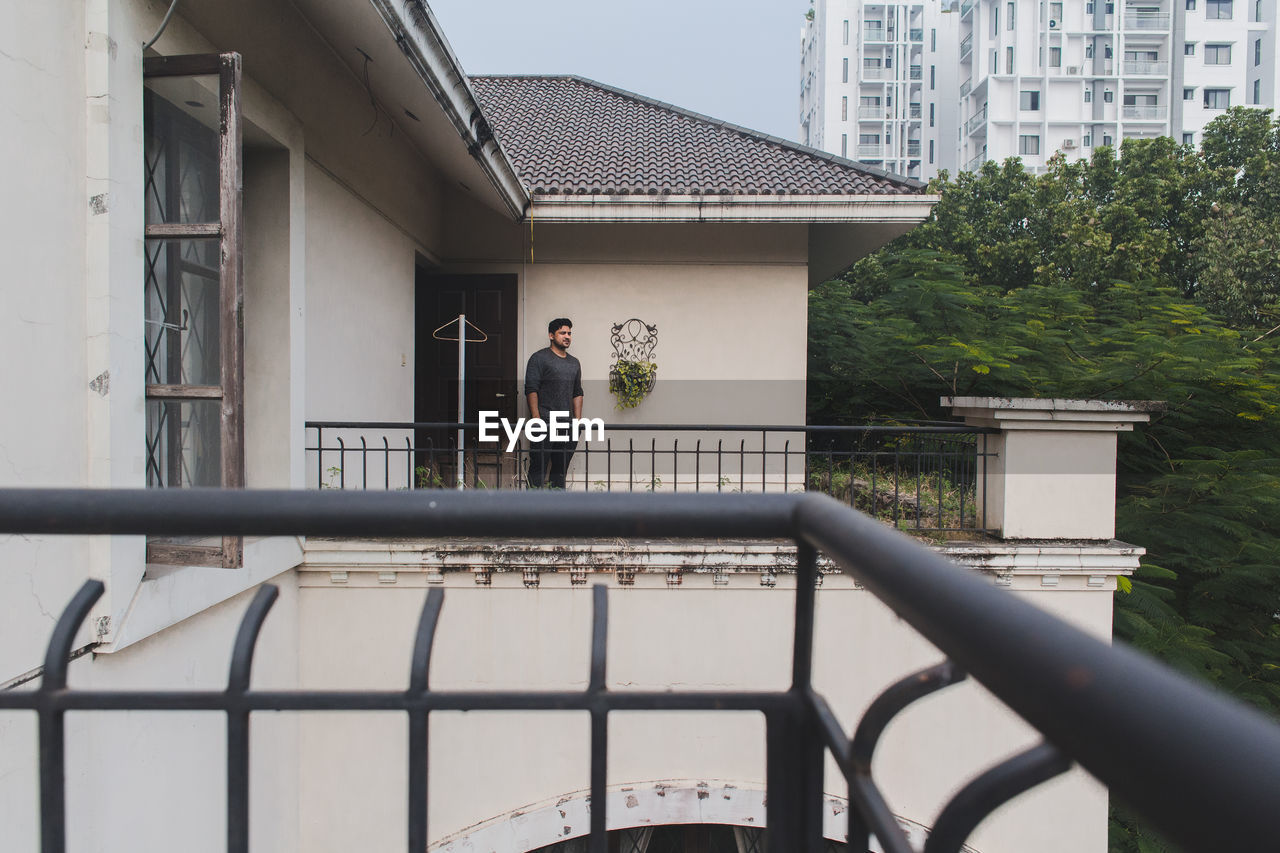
966, 7
977, 122
879, 34
966, 46
813, 624
913, 148
916, 34
966, 87
915, 111
876, 72
1144, 112
1145, 68
916, 72
1146, 22
874, 113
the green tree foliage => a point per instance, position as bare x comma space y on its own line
1139, 276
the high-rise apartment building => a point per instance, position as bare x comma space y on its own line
1064, 75
1226, 57
1028, 79
878, 84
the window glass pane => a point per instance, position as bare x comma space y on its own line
1217, 99
1217, 54
182, 324
180, 115
183, 444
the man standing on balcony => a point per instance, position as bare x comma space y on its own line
553, 385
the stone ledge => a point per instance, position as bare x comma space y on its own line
1084, 565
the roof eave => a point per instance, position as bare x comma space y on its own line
424, 45
797, 209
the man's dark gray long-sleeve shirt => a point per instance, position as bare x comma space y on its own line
555, 380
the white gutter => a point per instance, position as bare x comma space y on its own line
716, 208
424, 45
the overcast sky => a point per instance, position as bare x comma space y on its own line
737, 60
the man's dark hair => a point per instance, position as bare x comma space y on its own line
558, 323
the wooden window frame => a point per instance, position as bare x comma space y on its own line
229, 231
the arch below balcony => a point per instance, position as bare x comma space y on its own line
654, 803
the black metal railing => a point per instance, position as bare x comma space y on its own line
1200, 768
923, 478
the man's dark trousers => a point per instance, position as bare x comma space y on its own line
555, 454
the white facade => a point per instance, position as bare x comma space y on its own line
1033, 79
1226, 58
875, 84
1061, 76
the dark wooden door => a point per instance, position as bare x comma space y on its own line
489, 301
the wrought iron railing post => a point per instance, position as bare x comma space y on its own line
599, 717
238, 718
419, 718
52, 717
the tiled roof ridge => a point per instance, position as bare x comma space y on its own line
715, 122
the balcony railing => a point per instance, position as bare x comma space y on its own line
1198, 767
977, 121
966, 87
876, 72
966, 46
966, 7
917, 72
876, 33
913, 149
917, 477
1146, 22
870, 152
874, 113
915, 34
1145, 67
915, 111
1144, 112
976, 163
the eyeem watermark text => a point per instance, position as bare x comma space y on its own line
559, 428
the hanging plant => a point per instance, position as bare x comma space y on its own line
634, 371
631, 381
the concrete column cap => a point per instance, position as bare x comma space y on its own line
1052, 413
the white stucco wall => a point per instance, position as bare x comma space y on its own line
487, 766
731, 337
157, 781
360, 291
730, 303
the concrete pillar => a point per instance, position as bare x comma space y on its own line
1050, 473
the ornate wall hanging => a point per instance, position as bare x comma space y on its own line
633, 373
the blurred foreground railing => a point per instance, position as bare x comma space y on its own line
1198, 767
917, 477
